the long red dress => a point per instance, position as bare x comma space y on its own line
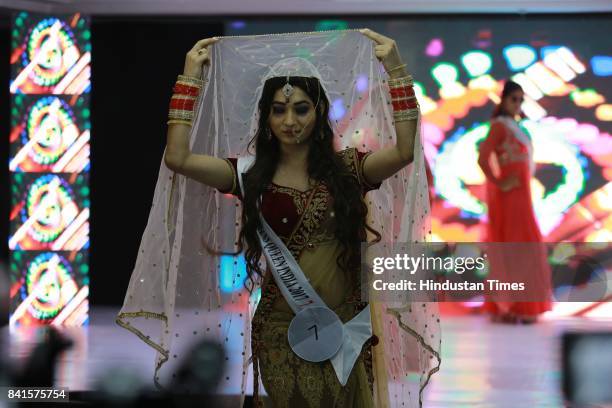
511, 217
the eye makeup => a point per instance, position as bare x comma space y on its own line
278, 109
301, 108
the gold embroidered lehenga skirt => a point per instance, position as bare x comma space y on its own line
289, 380
292, 382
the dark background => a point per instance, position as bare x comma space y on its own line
134, 66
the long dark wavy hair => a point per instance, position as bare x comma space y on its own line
324, 165
509, 88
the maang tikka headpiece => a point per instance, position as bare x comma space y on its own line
288, 90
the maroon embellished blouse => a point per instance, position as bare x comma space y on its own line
283, 207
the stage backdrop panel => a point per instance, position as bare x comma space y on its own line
49, 167
564, 64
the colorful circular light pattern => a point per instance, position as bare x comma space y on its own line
477, 63
456, 167
604, 112
53, 50
551, 146
51, 123
447, 76
445, 73
48, 301
60, 208
337, 110
602, 65
435, 48
519, 56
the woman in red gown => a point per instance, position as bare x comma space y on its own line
506, 159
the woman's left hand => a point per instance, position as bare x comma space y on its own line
386, 49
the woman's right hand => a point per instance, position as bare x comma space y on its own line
509, 183
197, 57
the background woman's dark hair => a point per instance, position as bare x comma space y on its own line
509, 87
323, 165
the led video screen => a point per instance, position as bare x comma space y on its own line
49, 134
459, 64
49, 288
49, 212
49, 163
50, 55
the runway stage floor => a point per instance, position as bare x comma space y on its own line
483, 364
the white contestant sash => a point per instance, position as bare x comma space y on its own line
520, 135
316, 332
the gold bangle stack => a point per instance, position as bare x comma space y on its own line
402, 81
402, 116
400, 66
187, 80
179, 122
405, 104
182, 104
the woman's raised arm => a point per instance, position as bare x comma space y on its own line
209, 170
387, 161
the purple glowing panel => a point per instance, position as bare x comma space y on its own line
435, 48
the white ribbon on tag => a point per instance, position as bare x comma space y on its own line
356, 332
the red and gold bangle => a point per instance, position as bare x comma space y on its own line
404, 108
401, 82
183, 101
401, 91
184, 89
403, 99
181, 108
404, 103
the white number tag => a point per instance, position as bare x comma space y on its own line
316, 334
